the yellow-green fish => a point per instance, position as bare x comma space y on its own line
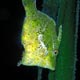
39, 38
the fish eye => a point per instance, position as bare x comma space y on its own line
55, 52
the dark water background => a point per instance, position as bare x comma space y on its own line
11, 19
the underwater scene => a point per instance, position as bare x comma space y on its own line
40, 39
